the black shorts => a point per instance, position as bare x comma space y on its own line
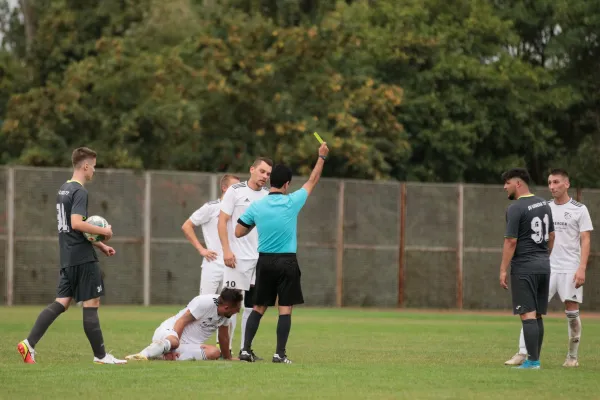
277, 275
82, 282
530, 293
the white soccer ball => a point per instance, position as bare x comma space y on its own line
98, 221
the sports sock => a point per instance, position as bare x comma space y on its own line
91, 327
245, 315
540, 323
532, 337
157, 348
251, 329
522, 348
574, 323
232, 325
43, 322
283, 332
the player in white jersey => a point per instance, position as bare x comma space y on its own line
182, 336
241, 254
213, 267
568, 261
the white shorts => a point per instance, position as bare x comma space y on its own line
242, 276
165, 329
211, 280
562, 283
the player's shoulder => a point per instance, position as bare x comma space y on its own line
239, 186
576, 204
212, 204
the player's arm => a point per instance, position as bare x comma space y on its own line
79, 210
224, 342
227, 206
190, 234
551, 237
181, 323
579, 278
315, 175
513, 218
107, 250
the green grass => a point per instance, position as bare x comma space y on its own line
342, 354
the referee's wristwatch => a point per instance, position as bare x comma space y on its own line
323, 157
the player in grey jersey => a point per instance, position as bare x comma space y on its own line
568, 261
528, 240
80, 275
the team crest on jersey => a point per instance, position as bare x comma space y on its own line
567, 215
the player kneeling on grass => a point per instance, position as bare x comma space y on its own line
182, 336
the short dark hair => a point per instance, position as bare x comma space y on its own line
81, 154
280, 176
259, 160
520, 173
559, 171
231, 296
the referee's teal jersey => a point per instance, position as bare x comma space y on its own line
276, 219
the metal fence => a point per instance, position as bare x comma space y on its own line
361, 243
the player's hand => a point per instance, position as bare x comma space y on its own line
504, 280
208, 254
579, 278
229, 259
107, 233
108, 251
323, 150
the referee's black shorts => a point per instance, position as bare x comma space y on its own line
530, 293
277, 275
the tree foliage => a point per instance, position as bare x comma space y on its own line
405, 89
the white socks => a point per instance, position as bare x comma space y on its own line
245, 315
574, 323
522, 347
156, 349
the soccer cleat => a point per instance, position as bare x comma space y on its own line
108, 359
256, 358
136, 357
27, 352
246, 356
281, 360
571, 362
517, 359
529, 365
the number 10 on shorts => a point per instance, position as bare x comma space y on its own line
230, 284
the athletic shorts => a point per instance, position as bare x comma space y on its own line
562, 283
278, 276
530, 293
82, 282
211, 279
240, 277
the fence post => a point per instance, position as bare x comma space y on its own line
579, 194
460, 246
339, 270
402, 244
10, 235
147, 234
213, 187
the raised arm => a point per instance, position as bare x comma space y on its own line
317, 170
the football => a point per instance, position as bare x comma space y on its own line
98, 221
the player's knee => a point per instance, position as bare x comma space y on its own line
64, 301
211, 352
92, 302
174, 340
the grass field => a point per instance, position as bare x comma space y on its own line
342, 354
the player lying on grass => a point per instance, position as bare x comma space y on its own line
182, 336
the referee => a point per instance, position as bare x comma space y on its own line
277, 271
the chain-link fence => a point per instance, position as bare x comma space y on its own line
360, 243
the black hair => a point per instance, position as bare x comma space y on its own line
520, 173
559, 171
231, 296
280, 175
